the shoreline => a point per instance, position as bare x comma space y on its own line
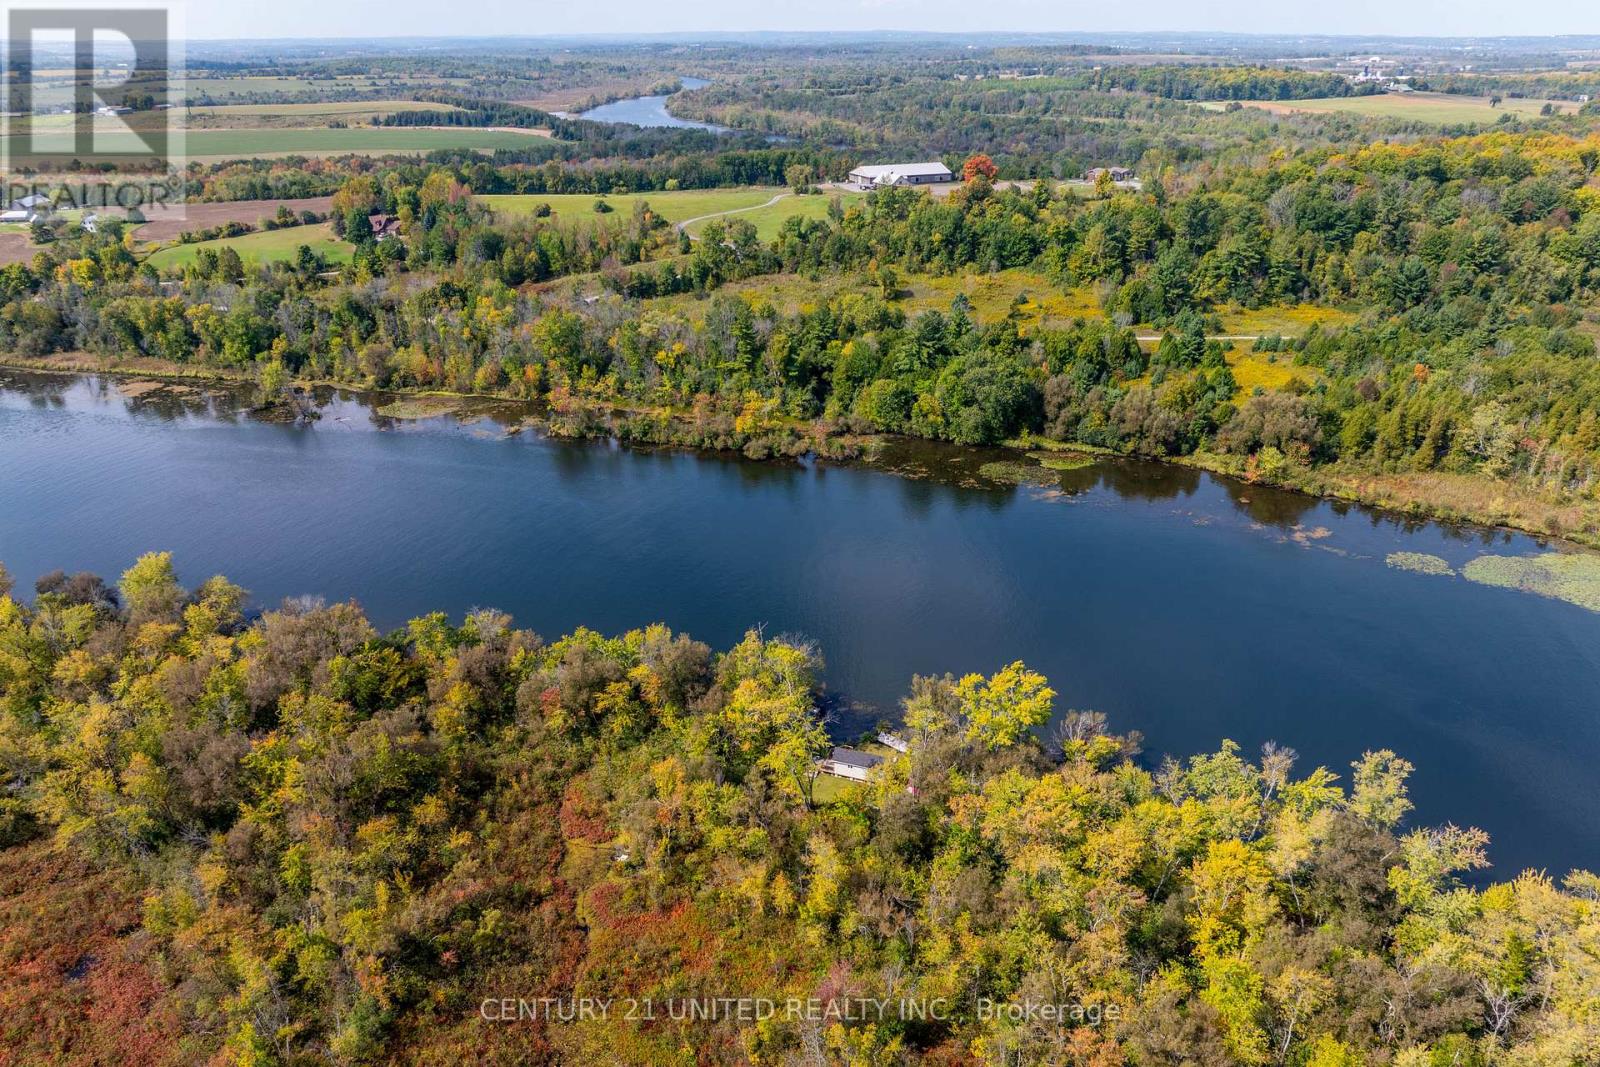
1432, 497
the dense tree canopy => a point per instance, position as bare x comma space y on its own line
348, 842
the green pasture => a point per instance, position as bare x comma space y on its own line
675, 206
264, 247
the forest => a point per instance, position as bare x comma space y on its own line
287, 838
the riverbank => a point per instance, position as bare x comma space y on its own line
1449, 498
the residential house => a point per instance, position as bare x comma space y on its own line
850, 763
1118, 174
27, 209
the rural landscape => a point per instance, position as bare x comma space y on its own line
802, 548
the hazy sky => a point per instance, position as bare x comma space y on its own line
375, 18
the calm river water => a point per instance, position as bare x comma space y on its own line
1186, 606
650, 111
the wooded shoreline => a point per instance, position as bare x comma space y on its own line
1446, 499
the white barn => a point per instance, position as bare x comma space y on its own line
902, 174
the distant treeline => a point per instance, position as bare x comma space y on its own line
274, 179
469, 111
1544, 85
1224, 83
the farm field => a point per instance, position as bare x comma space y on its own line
314, 114
1441, 108
204, 89
751, 203
267, 246
219, 145
163, 226
674, 206
232, 144
15, 247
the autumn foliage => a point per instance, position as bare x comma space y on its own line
297, 840
977, 166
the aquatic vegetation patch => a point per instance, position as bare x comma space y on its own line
1570, 576
1061, 461
420, 407
1013, 472
1420, 562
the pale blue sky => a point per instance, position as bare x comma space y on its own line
371, 18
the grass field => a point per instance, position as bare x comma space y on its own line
335, 108
319, 113
994, 295
674, 206
752, 204
266, 246
1266, 370
1441, 108
1290, 320
769, 220
221, 89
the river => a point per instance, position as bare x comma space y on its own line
650, 111
1186, 606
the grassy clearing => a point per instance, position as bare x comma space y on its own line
770, 219
266, 246
1267, 371
1284, 320
752, 204
1440, 108
992, 295
1037, 299
673, 206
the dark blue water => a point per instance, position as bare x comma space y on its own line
1185, 606
650, 111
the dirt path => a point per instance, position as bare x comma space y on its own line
1209, 337
683, 226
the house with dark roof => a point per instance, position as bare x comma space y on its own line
850, 763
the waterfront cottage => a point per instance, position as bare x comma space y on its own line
850, 763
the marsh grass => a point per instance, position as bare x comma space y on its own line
420, 407
1061, 461
1014, 472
